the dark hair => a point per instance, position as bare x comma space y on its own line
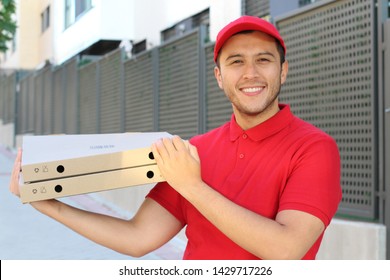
279, 48
280, 51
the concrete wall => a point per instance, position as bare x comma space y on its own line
351, 240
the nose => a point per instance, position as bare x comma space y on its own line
250, 71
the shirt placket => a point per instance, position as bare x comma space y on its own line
242, 155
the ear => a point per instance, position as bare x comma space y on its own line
218, 77
283, 75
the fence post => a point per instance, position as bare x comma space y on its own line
387, 133
98, 90
202, 87
122, 91
156, 87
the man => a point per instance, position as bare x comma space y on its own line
263, 186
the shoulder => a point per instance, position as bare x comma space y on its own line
309, 131
313, 141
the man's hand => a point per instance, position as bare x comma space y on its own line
178, 162
14, 181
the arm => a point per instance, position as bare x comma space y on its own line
289, 236
151, 227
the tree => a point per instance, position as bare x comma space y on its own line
7, 23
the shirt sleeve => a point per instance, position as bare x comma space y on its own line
168, 198
314, 182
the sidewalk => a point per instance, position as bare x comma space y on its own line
26, 234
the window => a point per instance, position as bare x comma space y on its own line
45, 19
139, 47
388, 14
257, 8
74, 9
306, 2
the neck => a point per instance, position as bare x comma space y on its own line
247, 121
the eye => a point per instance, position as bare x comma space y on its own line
263, 60
236, 61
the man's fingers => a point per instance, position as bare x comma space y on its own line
156, 151
14, 184
171, 148
18, 159
179, 143
17, 164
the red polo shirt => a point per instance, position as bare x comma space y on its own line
283, 163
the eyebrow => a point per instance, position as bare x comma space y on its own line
240, 55
233, 56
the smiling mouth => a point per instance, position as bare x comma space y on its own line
252, 90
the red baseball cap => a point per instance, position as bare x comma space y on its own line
242, 24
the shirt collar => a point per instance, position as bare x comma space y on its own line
271, 126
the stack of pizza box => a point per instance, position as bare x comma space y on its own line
55, 166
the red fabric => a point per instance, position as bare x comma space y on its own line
283, 163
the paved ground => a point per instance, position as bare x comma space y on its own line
26, 234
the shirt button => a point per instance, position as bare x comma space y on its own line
241, 156
244, 136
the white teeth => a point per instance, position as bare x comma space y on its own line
252, 89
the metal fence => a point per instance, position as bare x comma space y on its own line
332, 83
338, 81
8, 97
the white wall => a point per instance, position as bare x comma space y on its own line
68, 42
116, 19
352, 240
221, 13
110, 20
151, 17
